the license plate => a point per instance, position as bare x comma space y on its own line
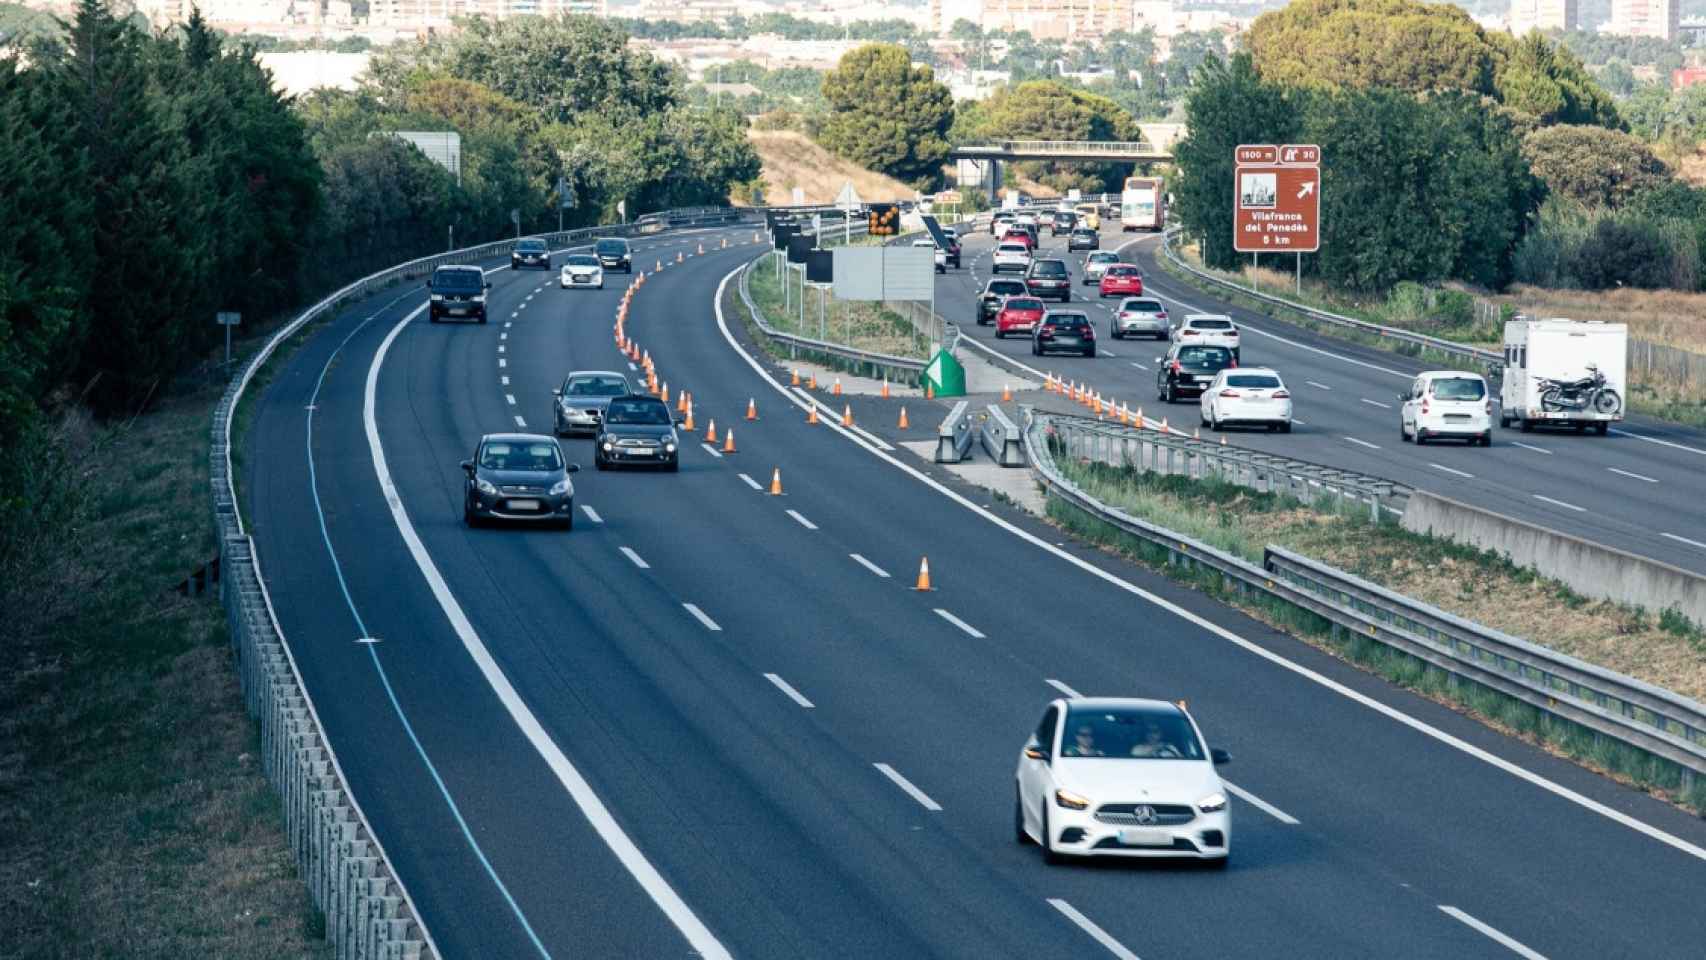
639, 452
458, 310
524, 504
582, 279
1143, 837
1457, 418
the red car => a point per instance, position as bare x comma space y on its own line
1018, 315
1020, 236
1122, 280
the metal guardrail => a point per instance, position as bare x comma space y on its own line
1492, 360
955, 435
904, 369
1001, 439
368, 911
1611, 705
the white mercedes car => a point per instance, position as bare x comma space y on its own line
1216, 329
582, 270
1121, 777
1247, 395
1097, 263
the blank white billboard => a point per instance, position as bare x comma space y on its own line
885, 273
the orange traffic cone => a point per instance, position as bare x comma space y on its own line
659, 266
811, 383
711, 431
923, 575
1223, 439
1164, 427
796, 379
751, 409
1196, 433
1138, 420
688, 423
847, 415
679, 258
1006, 394
885, 388
729, 440
929, 390
776, 483
664, 396
701, 248
835, 391
811, 414
903, 423
681, 402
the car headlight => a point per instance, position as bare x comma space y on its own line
437, 297
607, 446
561, 487
479, 298
1213, 803
484, 486
1070, 800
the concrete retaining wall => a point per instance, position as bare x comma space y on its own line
1588, 568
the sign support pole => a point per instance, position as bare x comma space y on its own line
1253, 256
1300, 274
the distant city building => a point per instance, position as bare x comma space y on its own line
1057, 19
437, 13
945, 13
1646, 18
1529, 15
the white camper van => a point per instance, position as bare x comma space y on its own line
1564, 372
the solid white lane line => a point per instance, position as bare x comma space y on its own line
1491, 934
1362, 443
1529, 446
1375, 403
754, 484
905, 784
1560, 503
511, 398
591, 514
1258, 803
1632, 476
1455, 473
1692, 543
956, 621
802, 520
631, 555
699, 937
1063, 688
520, 422
1058, 551
701, 617
793, 694
1320, 385
1089, 926
713, 451
1662, 443
868, 565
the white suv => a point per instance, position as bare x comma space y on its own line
1447, 403
1216, 329
1012, 256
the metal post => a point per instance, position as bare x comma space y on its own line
452, 229
1253, 256
228, 346
802, 297
822, 312
1300, 274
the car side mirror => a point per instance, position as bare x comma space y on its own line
1160, 359
1219, 756
1403, 398
488, 284
574, 468
1035, 752
467, 466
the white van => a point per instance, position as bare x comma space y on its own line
1447, 404
1564, 372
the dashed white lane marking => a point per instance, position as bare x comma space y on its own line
1258, 803
507, 324
802, 520
504, 335
868, 565
501, 348
1063, 688
505, 381
754, 484
1089, 926
1138, 365
1560, 503
713, 451
1321, 386
1526, 446
502, 363
511, 398
591, 514
956, 621
1632, 476
1490, 933
906, 785
1692, 543
1375, 403
1453, 472
699, 615
631, 555
521, 423
632, 365
1109, 353
793, 694
1362, 443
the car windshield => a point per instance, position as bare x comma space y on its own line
1211, 324
1068, 320
510, 455
468, 278
1023, 303
1256, 380
601, 386
1006, 288
1012, 248
649, 412
530, 246
617, 247
1122, 270
582, 260
1216, 357
1083, 233
1143, 306
1048, 268
1104, 256
1129, 732
1459, 388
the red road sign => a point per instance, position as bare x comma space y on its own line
1276, 196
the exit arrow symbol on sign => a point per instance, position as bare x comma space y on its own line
1308, 188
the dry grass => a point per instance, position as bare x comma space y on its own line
865, 326
1689, 164
792, 159
1669, 317
134, 818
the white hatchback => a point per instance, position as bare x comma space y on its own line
1012, 256
1121, 778
1216, 329
582, 270
1248, 395
1450, 404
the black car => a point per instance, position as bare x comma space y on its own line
1064, 331
994, 293
613, 253
1188, 368
518, 476
637, 430
458, 292
1049, 278
1063, 222
531, 252
1083, 238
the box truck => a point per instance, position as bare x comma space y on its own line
1562, 372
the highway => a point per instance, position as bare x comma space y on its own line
714, 722
1637, 489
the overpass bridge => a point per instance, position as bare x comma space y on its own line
980, 163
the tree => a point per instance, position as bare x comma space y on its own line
1050, 110
1593, 166
886, 115
1549, 83
1396, 44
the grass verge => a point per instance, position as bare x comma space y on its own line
1667, 650
864, 326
